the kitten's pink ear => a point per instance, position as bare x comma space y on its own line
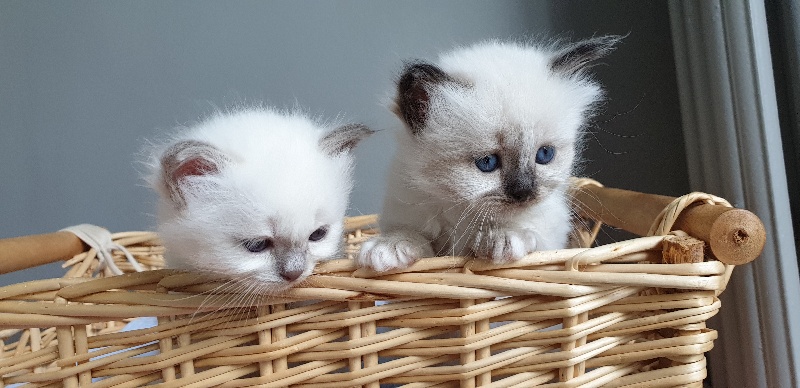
188, 158
576, 57
413, 93
344, 138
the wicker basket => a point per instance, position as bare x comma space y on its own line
628, 314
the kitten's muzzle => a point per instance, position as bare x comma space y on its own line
520, 188
291, 266
291, 275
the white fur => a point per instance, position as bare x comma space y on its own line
277, 183
439, 203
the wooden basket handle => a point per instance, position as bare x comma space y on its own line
30, 251
735, 236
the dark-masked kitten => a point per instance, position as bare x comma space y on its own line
490, 141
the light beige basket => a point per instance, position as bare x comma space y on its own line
628, 314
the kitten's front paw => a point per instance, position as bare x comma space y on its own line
383, 253
505, 245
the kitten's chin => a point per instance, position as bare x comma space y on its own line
250, 282
276, 285
509, 208
273, 285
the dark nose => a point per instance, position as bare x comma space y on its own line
520, 194
520, 187
291, 275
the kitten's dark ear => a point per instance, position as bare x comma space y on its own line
344, 138
576, 57
413, 93
188, 158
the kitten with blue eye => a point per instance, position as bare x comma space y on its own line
254, 195
490, 142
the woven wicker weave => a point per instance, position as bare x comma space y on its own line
619, 315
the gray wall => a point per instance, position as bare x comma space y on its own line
83, 83
637, 143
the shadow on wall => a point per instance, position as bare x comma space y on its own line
637, 142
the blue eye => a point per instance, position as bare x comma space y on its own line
257, 244
488, 163
318, 234
545, 154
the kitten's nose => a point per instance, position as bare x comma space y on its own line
520, 187
292, 264
291, 275
521, 195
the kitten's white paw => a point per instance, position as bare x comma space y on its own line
383, 253
506, 245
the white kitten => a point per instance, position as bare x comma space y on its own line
491, 138
254, 195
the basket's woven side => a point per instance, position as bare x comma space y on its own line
586, 236
686, 250
44, 350
617, 315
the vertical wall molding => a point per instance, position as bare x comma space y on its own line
733, 146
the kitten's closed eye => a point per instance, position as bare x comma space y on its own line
545, 154
488, 163
318, 234
257, 244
